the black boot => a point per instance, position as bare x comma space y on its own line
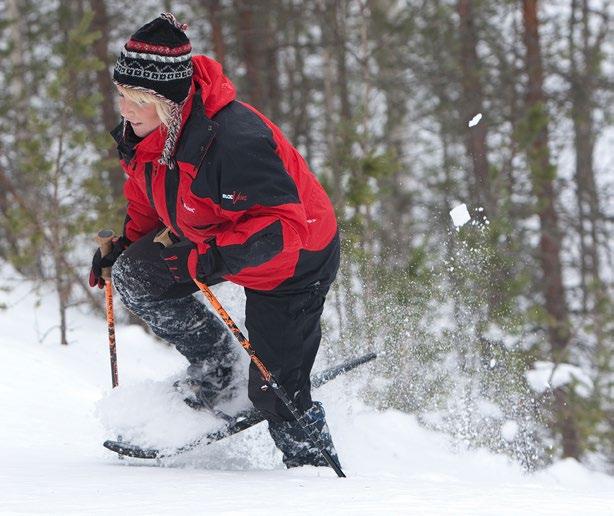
297, 449
213, 381
205, 386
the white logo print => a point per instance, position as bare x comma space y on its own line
189, 208
235, 197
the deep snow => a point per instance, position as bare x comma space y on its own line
55, 402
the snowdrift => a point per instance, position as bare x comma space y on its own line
57, 408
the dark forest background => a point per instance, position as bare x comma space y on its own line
500, 332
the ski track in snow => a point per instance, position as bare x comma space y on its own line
54, 399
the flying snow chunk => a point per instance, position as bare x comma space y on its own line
475, 120
546, 375
460, 215
509, 430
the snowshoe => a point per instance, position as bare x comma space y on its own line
244, 420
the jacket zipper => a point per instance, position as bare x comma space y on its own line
205, 148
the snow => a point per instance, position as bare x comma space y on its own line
460, 215
509, 430
495, 334
57, 408
152, 414
475, 120
547, 375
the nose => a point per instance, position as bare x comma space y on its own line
125, 107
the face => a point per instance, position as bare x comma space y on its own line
142, 117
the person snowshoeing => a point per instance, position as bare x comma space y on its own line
243, 206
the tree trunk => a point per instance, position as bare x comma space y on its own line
17, 87
271, 67
299, 84
339, 11
217, 35
471, 105
543, 174
330, 123
337, 16
18, 90
584, 70
250, 44
110, 117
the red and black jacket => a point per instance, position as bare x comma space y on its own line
240, 191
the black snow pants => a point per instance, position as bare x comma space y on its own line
283, 326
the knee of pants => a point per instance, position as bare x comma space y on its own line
128, 282
119, 273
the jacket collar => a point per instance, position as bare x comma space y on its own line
125, 141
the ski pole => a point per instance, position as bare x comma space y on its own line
105, 242
164, 238
332, 373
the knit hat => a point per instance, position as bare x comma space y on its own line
157, 59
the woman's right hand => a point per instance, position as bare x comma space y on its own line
100, 262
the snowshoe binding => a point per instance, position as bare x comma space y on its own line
205, 387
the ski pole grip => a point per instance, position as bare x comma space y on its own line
164, 238
105, 242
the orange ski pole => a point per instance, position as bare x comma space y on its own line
105, 242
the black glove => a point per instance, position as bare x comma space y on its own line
100, 262
181, 258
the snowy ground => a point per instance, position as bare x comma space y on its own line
55, 403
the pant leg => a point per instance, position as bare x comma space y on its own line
147, 289
284, 330
285, 333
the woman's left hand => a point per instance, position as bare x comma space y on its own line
181, 258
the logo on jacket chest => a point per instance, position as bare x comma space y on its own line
189, 208
235, 197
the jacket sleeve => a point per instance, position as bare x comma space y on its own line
141, 218
261, 203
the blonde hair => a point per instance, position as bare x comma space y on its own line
143, 96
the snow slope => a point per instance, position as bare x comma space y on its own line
55, 402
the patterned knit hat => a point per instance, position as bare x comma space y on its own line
157, 59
